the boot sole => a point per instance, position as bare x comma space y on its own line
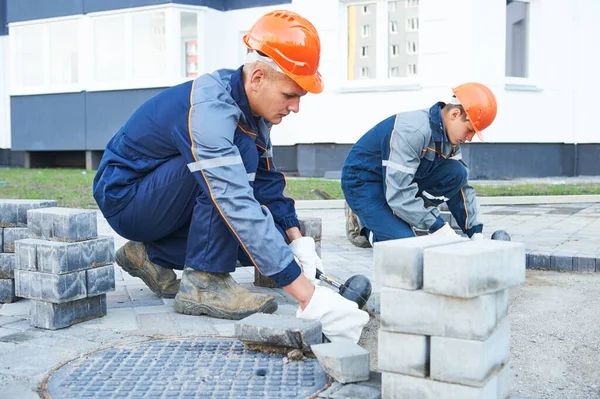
134, 271
198, 309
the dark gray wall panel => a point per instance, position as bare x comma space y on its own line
238, 4
3, 20
107, 111
589, 159
316, 159
25, 10
12, 158
106, 5
50, 122
285, 158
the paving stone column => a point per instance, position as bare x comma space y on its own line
444, 328
13, 227
309, 227
66, 268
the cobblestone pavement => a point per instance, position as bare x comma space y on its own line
135, 314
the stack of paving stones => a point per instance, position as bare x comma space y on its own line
13, 227
66, 269
309, 227
444, 328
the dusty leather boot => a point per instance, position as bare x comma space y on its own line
218, 295
132, 258
353, 230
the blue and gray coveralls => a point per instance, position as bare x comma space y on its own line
397, 174
191, 175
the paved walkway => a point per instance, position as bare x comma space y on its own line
27, 354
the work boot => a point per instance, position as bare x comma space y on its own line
353, 229
218, 295
132, 258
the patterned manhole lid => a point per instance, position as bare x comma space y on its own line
198, 368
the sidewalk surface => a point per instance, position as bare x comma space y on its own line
554, 317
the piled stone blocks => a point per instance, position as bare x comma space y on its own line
66, 270
444, 328
13, 227
345, 361
309, 227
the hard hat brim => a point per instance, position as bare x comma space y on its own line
311, 83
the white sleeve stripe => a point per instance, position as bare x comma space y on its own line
399, 167
214, 163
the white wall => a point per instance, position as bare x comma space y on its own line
4, 98
460, 41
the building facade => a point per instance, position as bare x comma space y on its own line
73, 71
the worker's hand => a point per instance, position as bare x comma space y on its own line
477, 237
445, 231
306, 255
341, 319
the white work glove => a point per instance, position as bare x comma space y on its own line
341, 319
306, 255
445, 231
477, 237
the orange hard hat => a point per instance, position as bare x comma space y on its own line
479, 103
293, 43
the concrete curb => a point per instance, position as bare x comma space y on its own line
523, 200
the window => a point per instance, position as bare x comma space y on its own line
412, 24
63, 54
29, 55
366, 9
149, 46
517, 38
379, 47
411, 3
189, 43
411, 47
366, 30
111, 52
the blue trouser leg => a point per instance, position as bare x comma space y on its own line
178, 223
442, 183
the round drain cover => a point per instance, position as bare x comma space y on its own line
199, 368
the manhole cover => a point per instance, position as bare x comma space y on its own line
201, 368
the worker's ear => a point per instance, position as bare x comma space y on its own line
257, 78
455, 113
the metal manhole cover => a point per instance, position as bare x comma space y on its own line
200, 368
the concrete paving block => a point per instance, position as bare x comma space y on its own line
403, 353
12, 234
7, 291
62, 224
584, 263
399, 263
539, 260
13, 212
354, 391
54, 316
417, 312
312, 227
26, 254
278, 330
100, 280
471, 269
7, 265
562, 260
469, 362
344, 361
55, 288
99, 251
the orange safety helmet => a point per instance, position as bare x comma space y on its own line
479, 103
293, 43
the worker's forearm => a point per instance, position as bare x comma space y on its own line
301, 289
292, 233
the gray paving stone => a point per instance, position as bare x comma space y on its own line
344, 361
26, 254
50, 287
13, 212
403, 353
399, 263
418, 312
7, 291
12, 234
100, 280
54, 316
469, 362
474, 268
62, 224
562, 260
279, 331
584, 263
355, 391
539, 260
7, 265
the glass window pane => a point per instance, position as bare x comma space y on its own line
63, 54
111, 57
189, 43
403, 49
517, 34
29, 53
149, 45
362, 25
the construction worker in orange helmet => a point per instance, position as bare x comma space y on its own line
418, 167
208, 140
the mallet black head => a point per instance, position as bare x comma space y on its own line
501, 235
357, 289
